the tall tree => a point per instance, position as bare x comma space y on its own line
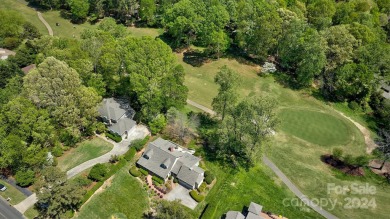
147, 11
301, 50
79, 9
228, 80
54, 86
56, 195
245, 129
320, 13
258, 28
155, 78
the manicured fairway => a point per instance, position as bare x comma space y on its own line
125, 196
84, 151
315, 127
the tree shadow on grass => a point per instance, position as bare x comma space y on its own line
195, 58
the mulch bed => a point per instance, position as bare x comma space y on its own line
343, 167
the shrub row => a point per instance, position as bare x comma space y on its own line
138, 144
129, 154
134, 171
114, 137
194, 194
157, 180
144, 172
98, 172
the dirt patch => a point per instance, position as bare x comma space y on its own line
343, 167
375, 167
371, 145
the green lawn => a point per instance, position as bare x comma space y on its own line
31, 213
140, 32
315, 127
15, 195
84, 151
235, 189
27, 12
66, 28
125, 195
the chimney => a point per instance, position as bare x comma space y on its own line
171, 149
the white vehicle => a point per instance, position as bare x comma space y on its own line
3, 187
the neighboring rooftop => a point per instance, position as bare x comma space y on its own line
234, 215
255, 208
5, 53
386, 91
163, 157
28, 68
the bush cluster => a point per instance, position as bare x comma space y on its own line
134, 171
98, 172
114, 137
157, 180
209, 177
197, 197
202, 187
57, 151
139, 144
82, 181
25, 177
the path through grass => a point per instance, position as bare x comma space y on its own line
84, 151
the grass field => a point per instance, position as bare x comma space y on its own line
315, 127
27, 12
235, 189
140, 32
125, 195
15, 195
31, 213
84, 151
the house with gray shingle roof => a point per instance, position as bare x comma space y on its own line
5, 53
117, 115
386, 91
164, 158
234, 215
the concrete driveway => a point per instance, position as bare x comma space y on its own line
182, 194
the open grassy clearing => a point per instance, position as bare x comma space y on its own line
125, 195
15, 195
143, 31
27, 12
315, 127
31, 213
235, 189
84, 151
66, 29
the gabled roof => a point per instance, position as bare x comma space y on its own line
255, 208
157, 157
250, 215
160, 153
123, 125
189, 176
112, 109
28, 68
4, 53
234, 215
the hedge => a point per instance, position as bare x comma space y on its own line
144, 172
114, 137
129, 154
25, 177
138, 144
198, 198
134, 171
98, 172
157, 180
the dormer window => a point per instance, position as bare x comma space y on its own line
148, 154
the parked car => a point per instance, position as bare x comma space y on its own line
3, 187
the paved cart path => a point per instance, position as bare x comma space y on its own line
45, 23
